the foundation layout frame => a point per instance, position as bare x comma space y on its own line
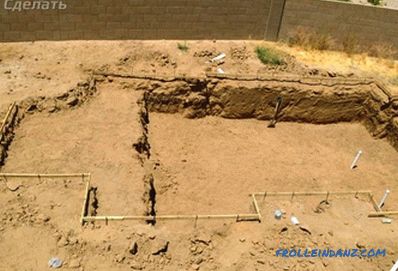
377, 213
84, 218
84, 176
238, 217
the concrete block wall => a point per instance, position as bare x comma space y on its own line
367, 24
274, 20
136, 19
25, 20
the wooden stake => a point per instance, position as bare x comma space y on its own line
276, 112
374, 203
85, 202
256, 207
172, 217
317, 193
38, 175
383, 213
10, 108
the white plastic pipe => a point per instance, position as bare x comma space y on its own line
381, 204
294, 220
218, 58
354, 163
219, 70
395, 267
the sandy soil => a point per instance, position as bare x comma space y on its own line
213, 164
209, 166
96, 138
204, 165
49, 68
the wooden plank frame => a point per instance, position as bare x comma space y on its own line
238, 217
378, 212
57, 175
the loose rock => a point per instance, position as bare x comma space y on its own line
133, 248
72, 101
159, 246
63, 242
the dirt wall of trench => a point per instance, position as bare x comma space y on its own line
319, 100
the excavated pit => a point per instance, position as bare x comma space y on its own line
192, 185
167, 145
211, 165
199, 146
215, 121
308, 100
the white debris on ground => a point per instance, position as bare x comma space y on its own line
384, 3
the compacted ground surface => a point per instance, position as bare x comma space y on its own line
199, 166
244, 156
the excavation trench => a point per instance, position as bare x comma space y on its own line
309, 100
143, 149
73, 98
316, 100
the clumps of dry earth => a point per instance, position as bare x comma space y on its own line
148, 62
72, 98
147, 250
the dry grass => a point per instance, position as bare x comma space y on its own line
309, 39
382, 50
299, 37
351, 44
394, 81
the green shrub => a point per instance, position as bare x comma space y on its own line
375, 2
183, 46
269, 56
